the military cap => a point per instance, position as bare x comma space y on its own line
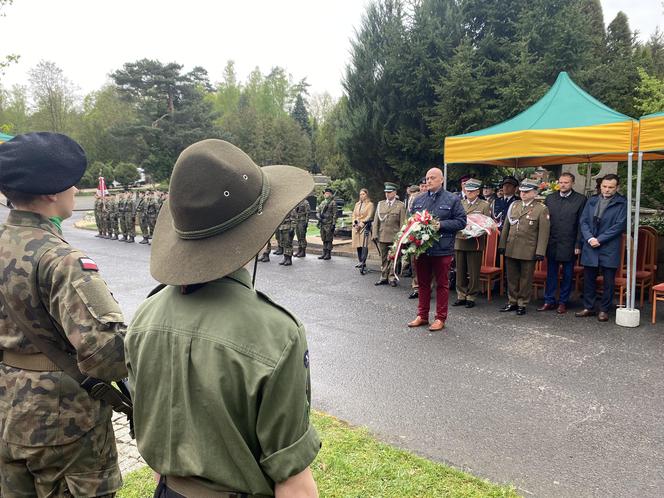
328, 189
473, 184
414, 189
489, 184
423, 180
390, 187
511, 180
41, 163
528, 184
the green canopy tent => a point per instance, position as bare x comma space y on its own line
5, 138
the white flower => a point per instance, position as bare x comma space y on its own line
425, 237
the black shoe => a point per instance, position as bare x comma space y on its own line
359, 265
393, 283
144, 241
278, 252
288, 261
382, 281
322, 255
521, 310
470, 304
460, 302
414, 295
265, 258
328, 255
508, 307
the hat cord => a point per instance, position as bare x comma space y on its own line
255, 208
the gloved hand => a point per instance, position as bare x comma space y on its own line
501, 250
334, 227
539, 257
291, 232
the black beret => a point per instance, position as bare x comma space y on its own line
328, 189
41, 163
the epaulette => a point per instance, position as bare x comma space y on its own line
276, 305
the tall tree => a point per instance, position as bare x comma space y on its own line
54, 97
300, 114
10, 58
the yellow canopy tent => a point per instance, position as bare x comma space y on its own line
651, 137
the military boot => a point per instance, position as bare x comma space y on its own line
287, 261
323, 254
278, 251
131, 239
144, 241
265, 258
299, 254
115, 236
328, 254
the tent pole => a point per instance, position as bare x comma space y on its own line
637, 215
628, 303
445, 176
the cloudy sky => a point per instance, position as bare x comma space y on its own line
88, 39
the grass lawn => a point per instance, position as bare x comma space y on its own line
354, 464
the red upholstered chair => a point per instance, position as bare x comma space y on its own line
646, 261
489, 272
539, 277
657, 295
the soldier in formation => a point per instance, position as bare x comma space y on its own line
327, 220
389, 217
302, 223
99, 215
468, 252
57, 437
130, 217
152, 210
523, 240
142, 216
286, 233
122, 209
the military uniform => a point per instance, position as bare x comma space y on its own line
327, 219
122, 220
49, 422
142, 218
151, 210
524, 237
302, 223
286, 234
112, 217
468, 255
388, 220
130, 219
99, 204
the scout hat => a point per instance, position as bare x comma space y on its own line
390, 187
510, 179
473, 184
41, 163
222, 211
528, 184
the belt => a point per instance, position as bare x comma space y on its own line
38, 362
191, 488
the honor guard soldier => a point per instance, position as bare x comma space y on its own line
302, 219
389, 218
130, 216
57, 437
468, 252
122, 209
286, 234
115, 216
327, 220
228, 414
142, 216
99, 206
523, 240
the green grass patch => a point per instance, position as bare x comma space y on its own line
354, 464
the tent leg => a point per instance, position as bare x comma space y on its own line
637, 216
445, 176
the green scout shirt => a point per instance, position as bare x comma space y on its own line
221, 386
46, 276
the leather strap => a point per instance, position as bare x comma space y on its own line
38, 362
191, 488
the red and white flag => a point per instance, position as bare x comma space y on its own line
101, 188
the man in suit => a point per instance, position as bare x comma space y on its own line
468, 252
389, 218
523, 240
565, 208
602, 224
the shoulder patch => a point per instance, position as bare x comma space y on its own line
88, 265
306, 359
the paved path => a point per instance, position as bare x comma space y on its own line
558, 406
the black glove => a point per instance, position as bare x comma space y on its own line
334, 227
501, 250
539, 257
291, 233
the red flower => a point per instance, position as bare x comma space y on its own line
411, 238
418, 242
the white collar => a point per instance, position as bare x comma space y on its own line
566, 195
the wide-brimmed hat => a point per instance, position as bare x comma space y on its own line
222, 210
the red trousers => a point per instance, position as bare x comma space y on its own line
427, 267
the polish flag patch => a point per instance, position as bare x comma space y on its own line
88, 264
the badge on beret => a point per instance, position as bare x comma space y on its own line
88, 265
306, 359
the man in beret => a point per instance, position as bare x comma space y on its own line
228, 413
57, 438
327, 220
389, 218
524, 241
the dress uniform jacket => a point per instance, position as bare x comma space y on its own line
388, 220
479, 206
56, 291
525, 231
240, 365
362, 212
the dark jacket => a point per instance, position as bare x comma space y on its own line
564, 213
608, 230
500, 208
447, 209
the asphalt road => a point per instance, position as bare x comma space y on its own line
557, 406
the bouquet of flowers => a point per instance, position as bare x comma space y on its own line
547, 188
477, 225
419, 233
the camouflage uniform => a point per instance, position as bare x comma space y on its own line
99, 215
151, 209
327, 219
287, 232
55, 439
122, 209
142, 216
302, 222
111, 218
130, 218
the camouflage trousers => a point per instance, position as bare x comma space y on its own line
113, 228
152, 221
143, 221
130, 224
85, 468
286, 240
123, 223
301, 233
98, 218
326, 236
